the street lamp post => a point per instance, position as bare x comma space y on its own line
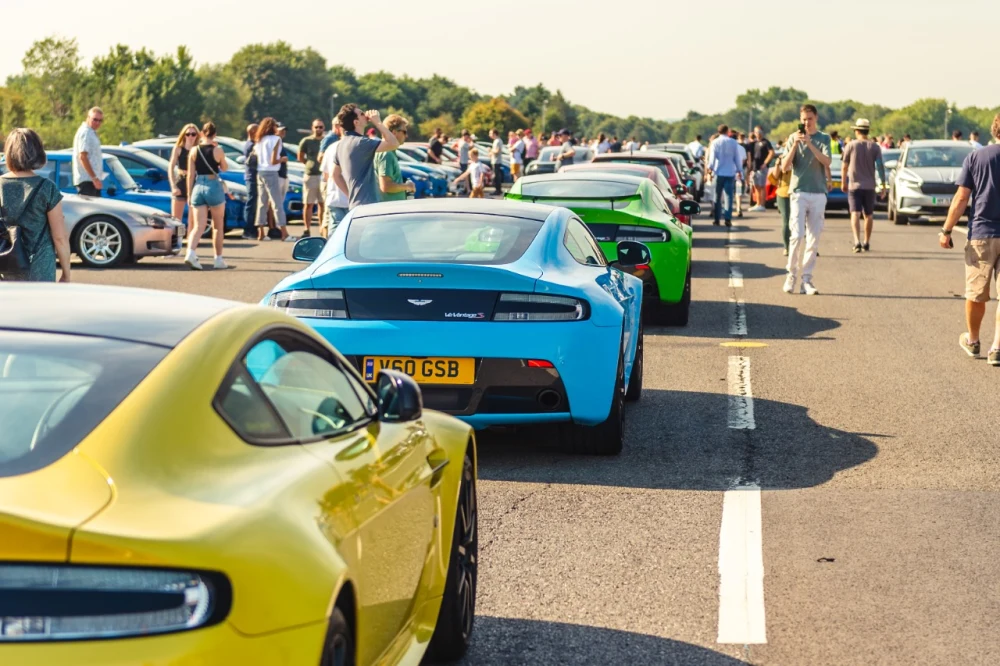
333, 104
545, 103
947, 116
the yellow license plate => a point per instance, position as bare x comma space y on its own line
429, 370
836, 184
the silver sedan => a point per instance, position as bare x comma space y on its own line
105, 233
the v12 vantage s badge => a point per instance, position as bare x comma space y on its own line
465, 315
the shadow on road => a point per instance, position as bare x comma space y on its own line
506, 641
711, 319
668, 446
738, 241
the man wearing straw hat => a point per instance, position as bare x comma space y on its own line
860, 159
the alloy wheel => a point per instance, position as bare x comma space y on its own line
101, 243
467, 551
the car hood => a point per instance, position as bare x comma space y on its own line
934, 174
81, 205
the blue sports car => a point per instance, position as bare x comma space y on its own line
506, 313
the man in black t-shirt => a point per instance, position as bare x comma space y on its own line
435, 149
761, 153
616, 145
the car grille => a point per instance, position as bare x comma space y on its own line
939, 188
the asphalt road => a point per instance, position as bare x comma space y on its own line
873, 443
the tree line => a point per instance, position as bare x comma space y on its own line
144, 94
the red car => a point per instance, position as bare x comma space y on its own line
643, 171
663, 161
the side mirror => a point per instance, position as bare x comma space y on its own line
399, 398
307, 249
632, 254
240, 159
680, 189
154, 174
890, 165
690, 207
112, 191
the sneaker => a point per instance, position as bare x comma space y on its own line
864, 246
758, 209
784, 252
264, 239
857, 248
739, 213
306, 234
970, 349
290, 239
729, 223
993, 358
808, 289
191, 259
220, 264
715, 223
789, 284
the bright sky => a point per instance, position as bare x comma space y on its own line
653, 58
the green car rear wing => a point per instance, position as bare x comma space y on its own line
610, 203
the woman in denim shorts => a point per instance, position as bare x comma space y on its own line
207, 195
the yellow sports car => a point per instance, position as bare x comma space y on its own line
186, 480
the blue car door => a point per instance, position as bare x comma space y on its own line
142, 174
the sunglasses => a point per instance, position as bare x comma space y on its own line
98, 120
190, 134
318, 127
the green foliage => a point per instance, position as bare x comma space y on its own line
444, 121
224, 99
291, 85
494, 113
127, 110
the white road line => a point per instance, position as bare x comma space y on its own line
738, 323
741, 568
734, 254
735, 277
740, 394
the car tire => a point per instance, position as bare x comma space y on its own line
94, 252
634, 392
457, 616
338, 648
891, 211
605, 438
674, 314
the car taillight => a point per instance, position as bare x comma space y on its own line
316, 303
642, 234
539, 363
540, 307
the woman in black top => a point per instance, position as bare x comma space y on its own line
186, 140
34, 205
208, 195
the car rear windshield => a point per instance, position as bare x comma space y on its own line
937, 156
578, 188
55, 389
452, 238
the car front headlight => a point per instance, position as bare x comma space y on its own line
147, 220
66, 602
909, 180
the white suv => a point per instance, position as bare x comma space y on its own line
924, 181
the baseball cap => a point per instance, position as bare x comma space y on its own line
563, 131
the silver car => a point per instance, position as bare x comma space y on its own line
923, 183
104, 232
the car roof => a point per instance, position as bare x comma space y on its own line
937, 143
646, 155
161, 318
596, 166
456, 206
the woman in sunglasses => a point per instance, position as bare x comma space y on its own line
208, 195
186, 140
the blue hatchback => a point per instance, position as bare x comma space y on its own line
119, 185
506, 313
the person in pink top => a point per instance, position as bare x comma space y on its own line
530, 147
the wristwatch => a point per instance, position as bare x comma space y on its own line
946, 232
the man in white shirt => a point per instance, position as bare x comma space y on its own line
974, 140
335, 200
517, 152
88, 162
696, 148
496, 159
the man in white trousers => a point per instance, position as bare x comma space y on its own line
807, 157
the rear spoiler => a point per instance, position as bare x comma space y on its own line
628, 198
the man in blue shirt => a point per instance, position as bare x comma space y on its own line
724, 163
979, 182
329, 139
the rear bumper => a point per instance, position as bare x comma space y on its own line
220, 644
584, 356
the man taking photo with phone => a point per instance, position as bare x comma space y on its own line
807, 157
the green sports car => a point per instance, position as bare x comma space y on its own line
619, 208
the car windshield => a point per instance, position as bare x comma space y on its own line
937, 156
436, 238
55, 389
550, 153
578, 188
120, 173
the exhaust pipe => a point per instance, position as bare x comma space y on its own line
549, 399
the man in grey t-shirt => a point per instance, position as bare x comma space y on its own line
568, 152
861, 158
807, 157
353, 165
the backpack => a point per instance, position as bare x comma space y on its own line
14, 257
